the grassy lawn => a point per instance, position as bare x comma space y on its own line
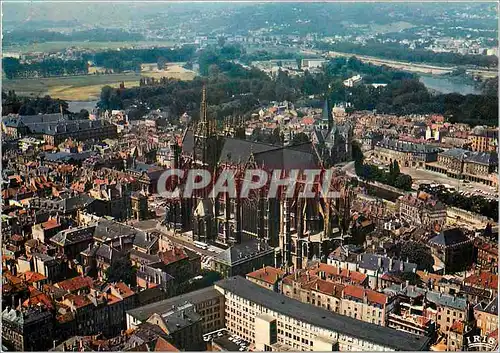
56, 46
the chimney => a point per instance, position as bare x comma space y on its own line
390, 264
401, 265
379, 261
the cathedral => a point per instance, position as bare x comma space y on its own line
333, 142
302, 229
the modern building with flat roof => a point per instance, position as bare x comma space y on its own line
268, 319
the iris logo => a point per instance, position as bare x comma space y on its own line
481, 343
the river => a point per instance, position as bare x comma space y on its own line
76, 106
447, 85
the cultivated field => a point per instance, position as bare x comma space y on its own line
88, 87
56, 46
173, 70
85, 87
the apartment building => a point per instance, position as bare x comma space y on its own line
366, 305
459, 163
486, 255
208, 302
269, 320
486, 315
311, 289
422, 209
407, 154
373, 266
483, 139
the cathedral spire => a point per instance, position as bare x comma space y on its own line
203, 113
327, 114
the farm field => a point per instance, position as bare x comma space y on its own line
85, 87
88, 87
56, 46
173, 70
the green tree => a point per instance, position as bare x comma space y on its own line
161, 63
403, 181
417, 253
395, 168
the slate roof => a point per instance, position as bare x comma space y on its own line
137, 255
405, 146
66, 205
485, 158
107, 230
491, 307
17, 121
145, 240
243, 252
457, 153
68, 156
25, 317
447, 300
326, 113
286, 158
449, 237
107, 252
323, 318
371, 262
67, 126
73, 235
236, 150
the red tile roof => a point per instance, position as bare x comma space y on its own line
163, 345
267, 274
32, 277
124, 290
490, 248
17, 237
76, 283
333, 272
325, 287
36, 298
483, 280
174, 255
79, 301
359, 293
51, 223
